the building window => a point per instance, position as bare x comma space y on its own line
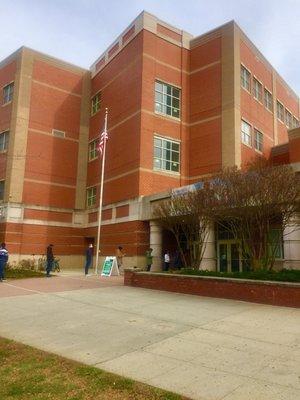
167, 99
245, 78
268, 100
288, 119
246, 133
166, 155
91, 196
2, 185
95, 104
280, 111
258, 140
4, 136
295, 122
275, 243
58, 133
257, 90
93, 152
8, 91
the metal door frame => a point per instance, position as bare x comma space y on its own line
228, 242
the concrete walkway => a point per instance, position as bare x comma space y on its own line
203, 348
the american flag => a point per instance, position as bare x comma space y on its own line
103, 138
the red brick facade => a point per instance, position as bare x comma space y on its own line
275, 293
48, 168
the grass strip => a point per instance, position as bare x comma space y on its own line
27, 373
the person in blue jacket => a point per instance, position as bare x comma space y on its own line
88, 259
50, 259
3, 261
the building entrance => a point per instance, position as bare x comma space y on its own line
229, 257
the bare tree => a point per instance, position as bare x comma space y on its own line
188, 217
251, 202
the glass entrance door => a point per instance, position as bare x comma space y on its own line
235, 260
229, 259
223, 257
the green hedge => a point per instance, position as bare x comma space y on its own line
19, 273
285, 275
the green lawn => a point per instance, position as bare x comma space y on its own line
285, 275
27, 373
22, 273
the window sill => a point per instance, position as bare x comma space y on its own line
93, 159
270, 111
246, 90
258, 101
95, 113
167, 116
91, 207
248, 145
258, 151
166, 172
7, 104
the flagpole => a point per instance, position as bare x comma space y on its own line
101, 195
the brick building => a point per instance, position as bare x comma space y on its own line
180, 108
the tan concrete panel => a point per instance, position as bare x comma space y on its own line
83, 143
231, 114
274, 94
19, 128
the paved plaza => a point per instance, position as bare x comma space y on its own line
203, 348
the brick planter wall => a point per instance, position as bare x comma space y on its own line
266, 292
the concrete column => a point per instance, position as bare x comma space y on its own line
291, 244
156, 245
209, 261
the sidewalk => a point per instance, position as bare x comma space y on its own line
203, 348
64, 281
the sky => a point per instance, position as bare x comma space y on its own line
78, 31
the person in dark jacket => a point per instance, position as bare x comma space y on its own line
50, 259
3, 261
88, 259
149, 259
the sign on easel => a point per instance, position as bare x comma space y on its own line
110, 267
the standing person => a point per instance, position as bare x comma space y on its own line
88, 258
177, 260
119, 255
3, 261
50, 259
166, 260
149, 258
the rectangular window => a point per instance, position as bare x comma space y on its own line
275, 243
257, 90
166, 155
280, 111
95, 104
258, 140
268, 100
58, 133
246, 133
245, 78
4, 136
91, 196
2, 186
295, 122
288, 119
8, 92
93, 152
167, 99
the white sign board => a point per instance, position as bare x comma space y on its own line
110, 267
